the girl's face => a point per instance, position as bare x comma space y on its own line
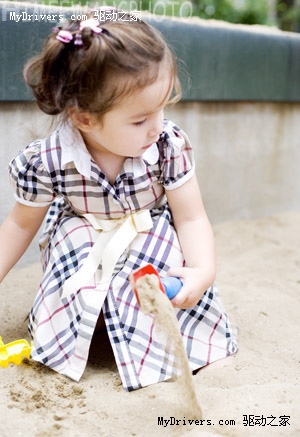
129, 128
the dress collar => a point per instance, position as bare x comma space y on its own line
74, 150
151, 155
138, 166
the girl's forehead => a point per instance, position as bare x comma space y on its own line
148, 99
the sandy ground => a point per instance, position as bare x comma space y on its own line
259, 279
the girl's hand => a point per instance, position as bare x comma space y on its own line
194, 286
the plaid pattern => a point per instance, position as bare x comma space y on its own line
52, 171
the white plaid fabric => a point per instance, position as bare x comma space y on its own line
59, 171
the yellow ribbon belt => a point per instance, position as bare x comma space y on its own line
115, 236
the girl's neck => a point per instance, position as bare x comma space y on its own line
109, 163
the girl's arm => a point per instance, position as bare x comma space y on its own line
17, 232
197, 243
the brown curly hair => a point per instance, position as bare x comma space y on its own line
98, 74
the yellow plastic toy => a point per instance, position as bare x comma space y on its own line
14, 352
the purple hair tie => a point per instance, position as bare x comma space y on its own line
64, 36
78, 40
92, 24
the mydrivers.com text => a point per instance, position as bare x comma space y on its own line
173, 421
107, 16
248, 420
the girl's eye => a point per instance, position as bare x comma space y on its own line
139, 123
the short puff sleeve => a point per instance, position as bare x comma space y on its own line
178, 163
30, 179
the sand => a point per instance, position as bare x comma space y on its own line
257, 392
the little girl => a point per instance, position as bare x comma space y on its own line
119, 186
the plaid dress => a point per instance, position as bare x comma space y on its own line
58, 171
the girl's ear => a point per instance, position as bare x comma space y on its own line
84, 121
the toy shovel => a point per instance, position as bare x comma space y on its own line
14, 352
169, 285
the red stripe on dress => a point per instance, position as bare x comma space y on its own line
210, 337
147, 350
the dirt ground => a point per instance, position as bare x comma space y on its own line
257, 392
